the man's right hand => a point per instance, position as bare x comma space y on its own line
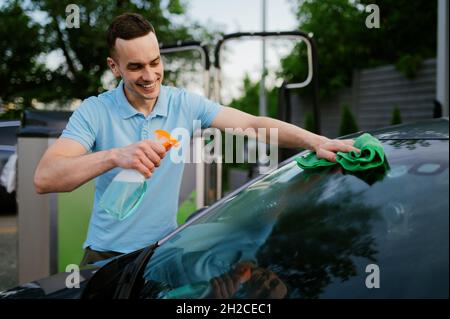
143, 156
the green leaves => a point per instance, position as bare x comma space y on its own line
348, 121
31, 30
344, 43
175, 7
20, 69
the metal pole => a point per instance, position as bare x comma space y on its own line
262, 85
203, 171
442, 56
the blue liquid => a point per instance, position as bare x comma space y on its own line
122, 198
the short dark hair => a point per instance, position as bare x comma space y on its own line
127, 26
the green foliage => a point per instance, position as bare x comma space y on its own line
11, 113
344, 43
309, 122
175, 7
409, 65
187, 207
25, 42
249, 101
20, 46
396, 116
348, 122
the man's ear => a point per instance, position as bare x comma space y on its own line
113, 66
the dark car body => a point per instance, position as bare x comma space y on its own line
8, 143
324, 233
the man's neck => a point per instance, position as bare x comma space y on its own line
141, 105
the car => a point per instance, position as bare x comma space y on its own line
8, 142
294, 233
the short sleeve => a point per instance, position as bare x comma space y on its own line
203, 109
83, 124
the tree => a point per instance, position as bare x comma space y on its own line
249, 101
348, 122
406, 36
309, 122
396, 116
83, 50
20, 47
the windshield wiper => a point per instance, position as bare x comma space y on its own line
132, 279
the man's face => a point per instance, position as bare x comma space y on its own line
139, 64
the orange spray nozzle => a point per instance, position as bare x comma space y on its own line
165, 139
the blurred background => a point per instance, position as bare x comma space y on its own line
378, 63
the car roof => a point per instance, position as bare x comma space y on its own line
426, 129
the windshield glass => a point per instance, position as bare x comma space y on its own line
299, 234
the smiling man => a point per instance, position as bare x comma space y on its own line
113, 131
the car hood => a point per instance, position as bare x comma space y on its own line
54, 286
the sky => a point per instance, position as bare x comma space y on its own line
245, 56
239, 15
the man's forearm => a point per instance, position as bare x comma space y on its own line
289, 135
64, 174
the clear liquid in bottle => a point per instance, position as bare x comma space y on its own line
124, 194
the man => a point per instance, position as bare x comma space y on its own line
113, 131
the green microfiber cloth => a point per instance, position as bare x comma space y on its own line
371, 156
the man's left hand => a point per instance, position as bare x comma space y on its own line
328, 148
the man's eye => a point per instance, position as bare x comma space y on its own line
134, 67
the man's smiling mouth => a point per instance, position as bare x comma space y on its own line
148, 86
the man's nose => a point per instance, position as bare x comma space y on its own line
148, 74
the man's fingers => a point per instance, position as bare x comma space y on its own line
159, 149
351, 143
153, 156
348, 148
339, 146
328, 155
144, 170
154, 147
348, 141
147, 163
328, 150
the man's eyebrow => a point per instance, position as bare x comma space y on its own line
140, 63
157, 58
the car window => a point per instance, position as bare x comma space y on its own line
8, 133
311, 234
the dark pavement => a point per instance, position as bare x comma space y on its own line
8, 251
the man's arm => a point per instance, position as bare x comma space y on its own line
288, 135
66, 166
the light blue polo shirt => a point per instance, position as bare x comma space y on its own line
109, 121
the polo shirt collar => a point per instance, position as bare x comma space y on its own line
126, 110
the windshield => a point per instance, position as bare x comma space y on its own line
298, 234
